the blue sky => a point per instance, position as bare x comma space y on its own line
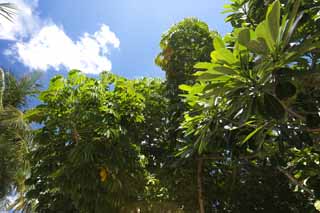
57, 35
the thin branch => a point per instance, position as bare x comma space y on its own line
294, 181
290, 111
294, 113
317, 130
219, 157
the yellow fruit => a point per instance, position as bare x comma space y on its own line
103, 174
317, 205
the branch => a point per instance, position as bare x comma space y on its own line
199, 183
294, 113
313, 130
219, 157
75, 134
294, 181
290, 111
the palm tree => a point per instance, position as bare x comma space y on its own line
15, 136
13, 131
2, 88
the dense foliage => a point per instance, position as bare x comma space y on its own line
234, 127
253, 106
84, 149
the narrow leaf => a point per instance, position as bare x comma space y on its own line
252, 134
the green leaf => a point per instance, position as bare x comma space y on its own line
35, 115
75, 77
208, 76
220, 79
252, 134
292, 22
223, 56
185, 87
244, 37
295, 52
225, 70
56, 83
273, 20
218, 43
258, 46
263, 32
203, 65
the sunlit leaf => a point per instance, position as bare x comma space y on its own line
273, 20
218, 43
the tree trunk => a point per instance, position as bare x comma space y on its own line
200, 189
2, 87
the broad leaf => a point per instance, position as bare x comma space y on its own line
244, 37
223, 56
263, 32
218, 43
258, 46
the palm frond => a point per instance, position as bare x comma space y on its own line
17, 90
12, 117
8, 11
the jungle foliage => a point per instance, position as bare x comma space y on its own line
234, 127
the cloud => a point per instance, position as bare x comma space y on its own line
52, 48
42, 45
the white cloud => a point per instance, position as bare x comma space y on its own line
43, 45
52, 48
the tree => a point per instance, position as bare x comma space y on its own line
185, 43
85, 157
15, 136
248, 106
14, 132
234, 128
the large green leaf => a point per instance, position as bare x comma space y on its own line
218, 43
225, 70
273, 20
244, 37
263, 32
223, 55
185, 87
208, 76
203, 65
258, 46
